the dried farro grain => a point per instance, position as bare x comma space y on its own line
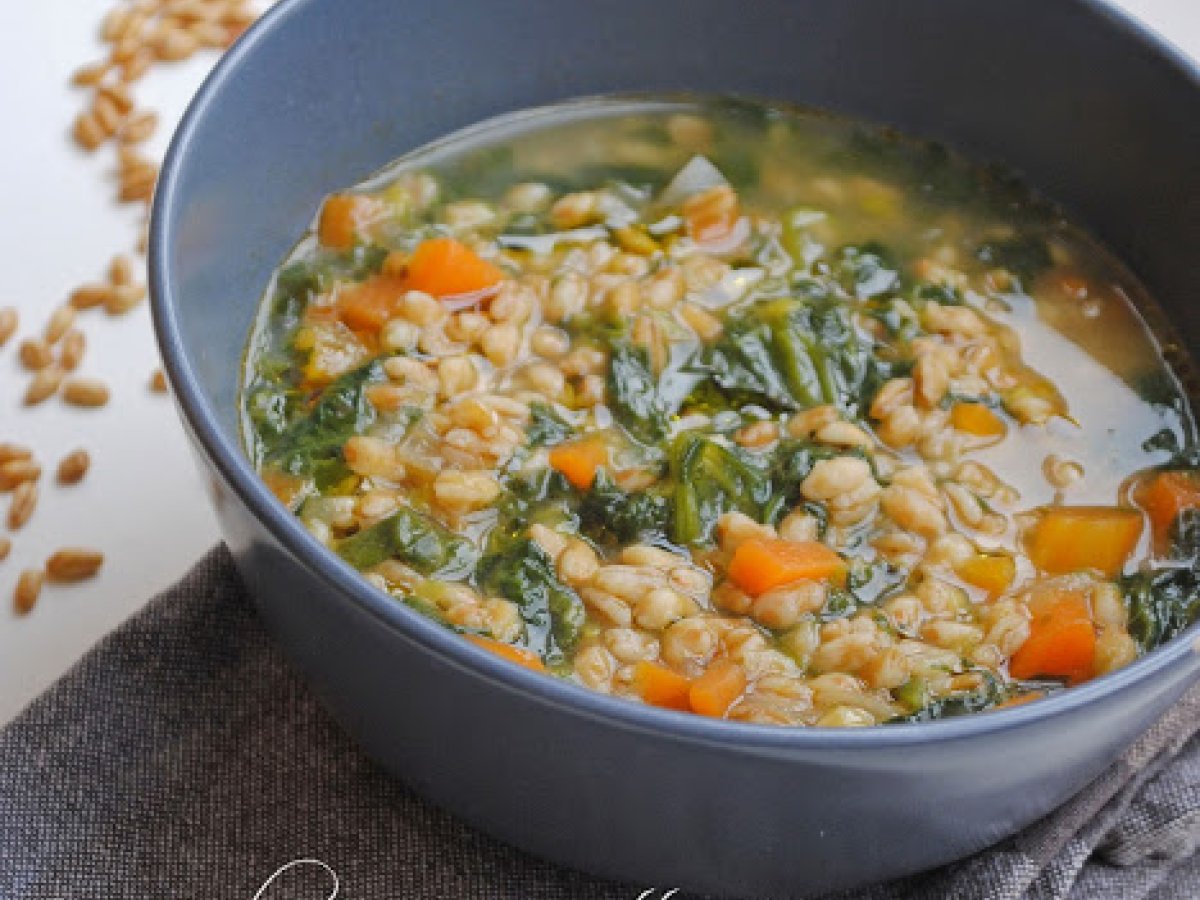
29, 586
90, 295
24, 502
71, 352
9, 320
35, 354
86, 392
44, 384
60, 320
73, 564
73, 467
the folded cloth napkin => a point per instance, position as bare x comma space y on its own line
183, 758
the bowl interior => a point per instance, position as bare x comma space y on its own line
273, 133
322, 93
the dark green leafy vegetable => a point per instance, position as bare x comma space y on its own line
553, 614
340, 412
1026, 256
1184, 454
608, 514
545, 427
866, 271
788, 354
414, 539
633, 394
914, 694
1161, 603
944, 294
711, 479
791, 462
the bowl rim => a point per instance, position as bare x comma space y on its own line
229, 459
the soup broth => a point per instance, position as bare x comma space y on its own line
735, 409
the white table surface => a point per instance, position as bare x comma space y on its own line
142, 503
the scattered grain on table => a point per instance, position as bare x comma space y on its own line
73, 564
29, 586
73, 467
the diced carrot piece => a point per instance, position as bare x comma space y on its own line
1073, 538
977, 419
711, 215
759, 564
1164, 496
367, 305
1020, 699
717, 689
343, 217
659, 686
519, 655
444, 267
1062, 639
993, 572
580, 460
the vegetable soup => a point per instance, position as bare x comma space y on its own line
735, 409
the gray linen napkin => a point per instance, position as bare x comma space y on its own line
183, 758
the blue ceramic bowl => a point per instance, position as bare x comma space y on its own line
1096, 112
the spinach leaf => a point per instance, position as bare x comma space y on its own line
633, 394
553, 613
414, 539
608, 514
1184, 454
865, 272
791, 462
1026, 256
711, 479
914, 694
341, 411
790, 353
545, 427
1161, 602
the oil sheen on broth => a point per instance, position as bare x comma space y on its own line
735, 409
